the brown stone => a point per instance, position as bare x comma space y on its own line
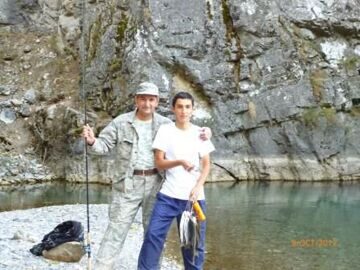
67, 252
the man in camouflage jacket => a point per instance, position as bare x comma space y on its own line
136, 180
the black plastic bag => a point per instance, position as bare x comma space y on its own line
67, 231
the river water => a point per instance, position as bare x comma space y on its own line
251, 225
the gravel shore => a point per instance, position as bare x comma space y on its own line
21, 229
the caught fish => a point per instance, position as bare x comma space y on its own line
189, 232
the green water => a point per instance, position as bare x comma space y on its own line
284, 226
255, 225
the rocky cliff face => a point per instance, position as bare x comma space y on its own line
277, 81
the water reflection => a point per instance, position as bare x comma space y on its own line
57, 193
253, 225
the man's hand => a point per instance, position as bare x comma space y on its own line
88, 134
205, 133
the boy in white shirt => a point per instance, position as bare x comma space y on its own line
186, 161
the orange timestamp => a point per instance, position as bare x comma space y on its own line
314, 243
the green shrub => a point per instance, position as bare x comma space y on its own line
350, 63
312, 116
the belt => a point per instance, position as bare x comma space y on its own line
146, 172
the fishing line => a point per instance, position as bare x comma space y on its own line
84, 95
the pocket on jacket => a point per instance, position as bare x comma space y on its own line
125, 148
119, 185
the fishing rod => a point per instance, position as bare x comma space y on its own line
87, 243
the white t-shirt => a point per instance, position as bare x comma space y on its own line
181, 144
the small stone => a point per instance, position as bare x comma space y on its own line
25, 110
20, 235
16, 102
8, 115
45, 76
9, 56
26, 66
6, 90
14, 171
27, 49
67, 252
30, 96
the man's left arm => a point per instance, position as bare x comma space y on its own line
205, 133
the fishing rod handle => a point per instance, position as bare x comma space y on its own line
199, 212
89, 264
88, 250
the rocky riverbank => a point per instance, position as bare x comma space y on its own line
21, 229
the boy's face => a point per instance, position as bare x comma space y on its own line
183, 110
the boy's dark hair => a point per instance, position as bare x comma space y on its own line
182, 95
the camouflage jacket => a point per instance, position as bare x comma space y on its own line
121, 137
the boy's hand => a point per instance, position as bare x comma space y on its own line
195, 193
187, 165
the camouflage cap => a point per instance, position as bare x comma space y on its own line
147, 88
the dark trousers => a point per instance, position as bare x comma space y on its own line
165, 210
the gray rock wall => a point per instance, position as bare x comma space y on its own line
277, 81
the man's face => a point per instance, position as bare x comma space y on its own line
183, 110
146, 104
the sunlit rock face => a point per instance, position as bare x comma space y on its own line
277, 81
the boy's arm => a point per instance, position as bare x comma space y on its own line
205, 169
164, 164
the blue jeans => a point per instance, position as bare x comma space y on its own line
165, 210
